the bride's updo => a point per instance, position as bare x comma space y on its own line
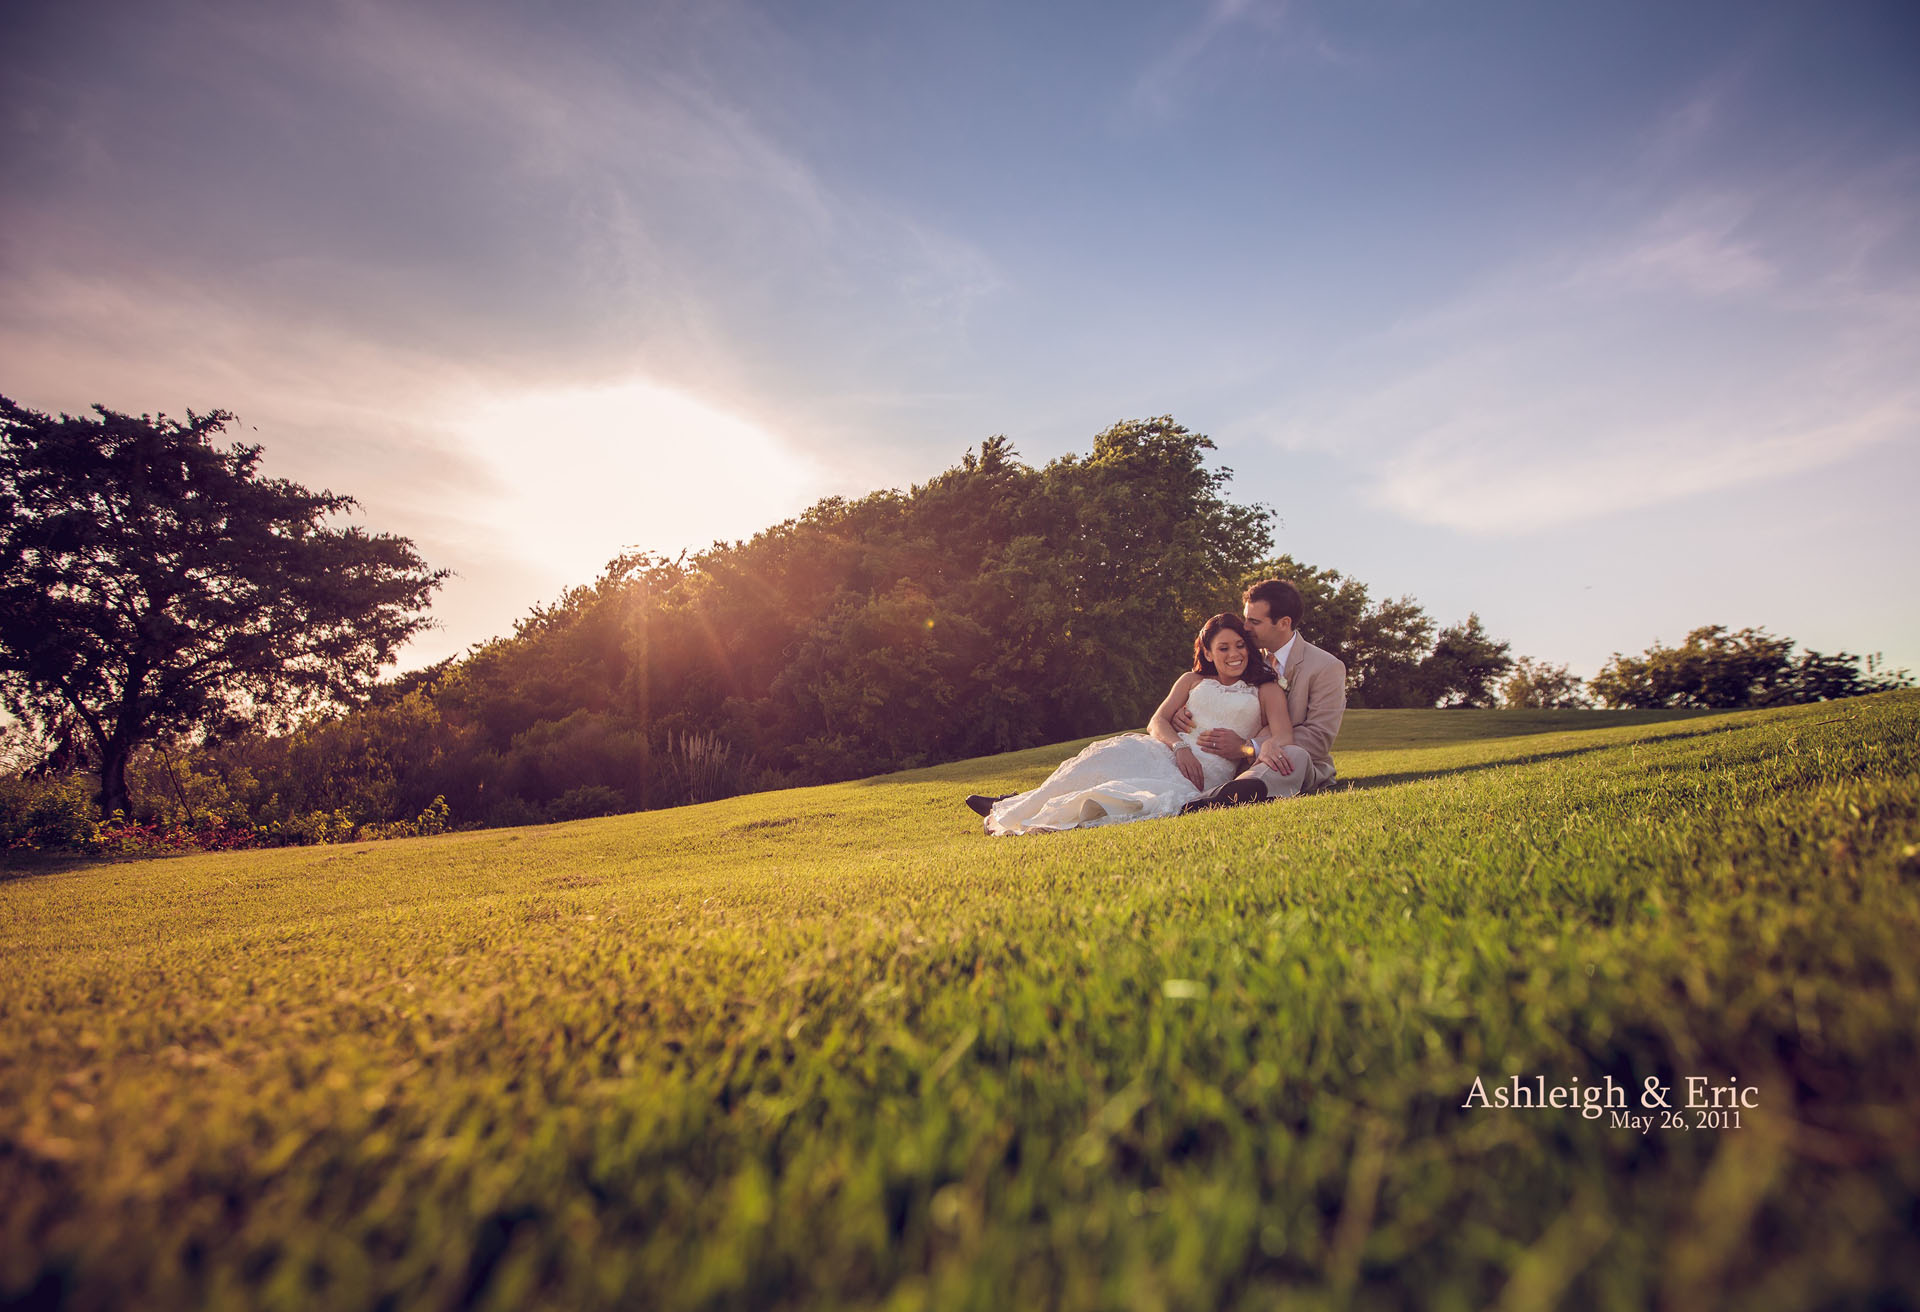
1258, 671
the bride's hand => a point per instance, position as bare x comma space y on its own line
1190, 767
1275, 759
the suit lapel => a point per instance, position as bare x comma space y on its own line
1296, 690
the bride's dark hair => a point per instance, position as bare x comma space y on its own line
1258, 671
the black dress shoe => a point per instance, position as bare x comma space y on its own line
980, 804
1234, 792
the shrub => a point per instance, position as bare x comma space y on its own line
177, 785
511, 810
587, 749
54, 812
586, 802
203, 833
311, 827
433, 820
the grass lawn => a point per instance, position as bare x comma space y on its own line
833, 1047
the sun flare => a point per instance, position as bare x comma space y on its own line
581, 474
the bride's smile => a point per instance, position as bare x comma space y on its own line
1229, 655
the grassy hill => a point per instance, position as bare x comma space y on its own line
834, 1047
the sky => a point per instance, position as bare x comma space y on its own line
1601, 321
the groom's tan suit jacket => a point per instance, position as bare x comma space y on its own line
1316, 701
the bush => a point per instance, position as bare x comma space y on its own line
179, 786
436, 819
511, 811
586, 750
433, 820
586, 802
203, 833
54, 812
311, 827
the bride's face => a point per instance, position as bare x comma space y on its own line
1228, 652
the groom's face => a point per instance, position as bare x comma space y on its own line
1270, 633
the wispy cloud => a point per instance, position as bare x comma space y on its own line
1698, 245
1721, 342
1278, 22
1154, 88
565, 113
1691, 124
1484, 478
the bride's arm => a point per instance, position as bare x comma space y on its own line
1278, 730
1161, 727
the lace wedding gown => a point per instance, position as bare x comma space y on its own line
1132, 777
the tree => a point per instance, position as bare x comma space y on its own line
1536, 685
1145, 542
1462, 667
1724, 670
152, 583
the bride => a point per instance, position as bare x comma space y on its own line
1144, 776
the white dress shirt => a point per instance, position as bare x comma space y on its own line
1279, 659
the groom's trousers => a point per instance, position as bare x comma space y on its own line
1307, 776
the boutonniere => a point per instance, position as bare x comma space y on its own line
1286, 685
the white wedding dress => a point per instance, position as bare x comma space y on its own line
1132, 777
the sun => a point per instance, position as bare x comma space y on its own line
580, 474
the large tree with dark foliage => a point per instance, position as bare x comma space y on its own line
1729, 670
152, 583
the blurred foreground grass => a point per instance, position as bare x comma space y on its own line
833, 1047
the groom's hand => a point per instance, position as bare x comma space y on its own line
1223, 742
1183, 720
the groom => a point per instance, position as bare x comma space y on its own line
1315, 683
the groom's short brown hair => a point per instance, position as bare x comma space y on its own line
1281, 598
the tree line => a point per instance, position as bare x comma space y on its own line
198, 637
